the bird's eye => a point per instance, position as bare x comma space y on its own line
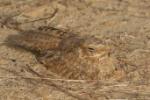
91, 49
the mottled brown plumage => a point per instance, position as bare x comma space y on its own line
69, 55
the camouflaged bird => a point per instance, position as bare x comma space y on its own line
69, 55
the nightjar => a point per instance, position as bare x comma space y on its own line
69, 55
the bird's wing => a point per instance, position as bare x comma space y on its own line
34, 41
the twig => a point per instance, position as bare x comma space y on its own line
54, 13
49, 82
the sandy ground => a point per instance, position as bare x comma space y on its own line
123, 24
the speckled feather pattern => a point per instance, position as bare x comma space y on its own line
69, 55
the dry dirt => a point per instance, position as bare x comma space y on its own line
123, 25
